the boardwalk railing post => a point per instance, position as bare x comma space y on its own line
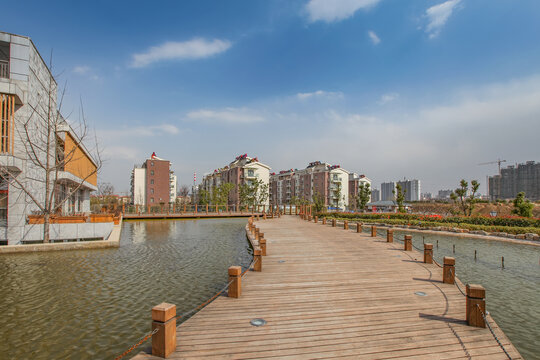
373, 231
257, 233
261, 236
309, 218
257, 257
264, 216
346, 225
428, 253
164, 319
235, 275
358, 227
316, 219
390, 235
449, 270
407, 244
324, 221
334, 222
262, 244
476, 297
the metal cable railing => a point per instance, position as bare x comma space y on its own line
492, 332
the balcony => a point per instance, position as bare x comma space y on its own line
4, 69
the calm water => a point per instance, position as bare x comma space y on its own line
95, 304
512, 293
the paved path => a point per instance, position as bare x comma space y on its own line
338, 294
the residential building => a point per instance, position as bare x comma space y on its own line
386, 206
355, 181
331, 182
375, 195
243, 170
35, 141
514, 179
426, 196
153, 183
444, 194
411, 188
387, 191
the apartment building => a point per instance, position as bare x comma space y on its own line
355, 181
153, 183
411, 188
36, 138
242, 170
514, 179
331, 182
375, 195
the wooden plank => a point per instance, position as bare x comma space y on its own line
338, 294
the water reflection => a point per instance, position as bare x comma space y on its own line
94, 304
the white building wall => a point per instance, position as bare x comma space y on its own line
139, 186
173, 180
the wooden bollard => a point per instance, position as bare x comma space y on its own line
235, 275
261, 236
449, 270
257, 217
324, 221
476, 297
257, 233
316, 219
164, 319
428, 253
334, 222
345, 225
390, 235
264, 216
257, 257
309, 218
262, 245
358, 227
373, 231
407, 243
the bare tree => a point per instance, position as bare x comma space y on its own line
184, 190
43, 138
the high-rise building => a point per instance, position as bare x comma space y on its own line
387, 191
243, 170
153, 183
331, 182
375, 195
515, 179
411, 188
444, 194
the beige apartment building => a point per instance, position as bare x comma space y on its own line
331, 182
243, 170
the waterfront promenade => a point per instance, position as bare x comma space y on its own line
326, 292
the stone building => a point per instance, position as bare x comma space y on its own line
33, 138
514, 179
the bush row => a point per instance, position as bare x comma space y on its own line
488, 228
471, 220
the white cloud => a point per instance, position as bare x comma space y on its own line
373, 37
228, 115
319, 94
386, 98
140, 131
336, 10
196, 48
438, 16
81, 69
121, 153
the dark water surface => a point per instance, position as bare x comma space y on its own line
94, 304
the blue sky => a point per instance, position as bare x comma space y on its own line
423, 89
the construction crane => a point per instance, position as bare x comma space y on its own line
499, 161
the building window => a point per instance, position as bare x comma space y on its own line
151, 191
151, 172
251, 172
151, 200
151, 163
4, 59
334, 177
152, 182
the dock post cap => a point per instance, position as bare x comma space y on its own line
163, 312
408, 237
447, 260
257, 252
428, 246
476, 291
235, 270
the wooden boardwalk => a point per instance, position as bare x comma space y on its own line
330, 293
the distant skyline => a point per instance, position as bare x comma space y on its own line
423, 89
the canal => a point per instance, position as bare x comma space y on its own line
94, 304
512, 292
